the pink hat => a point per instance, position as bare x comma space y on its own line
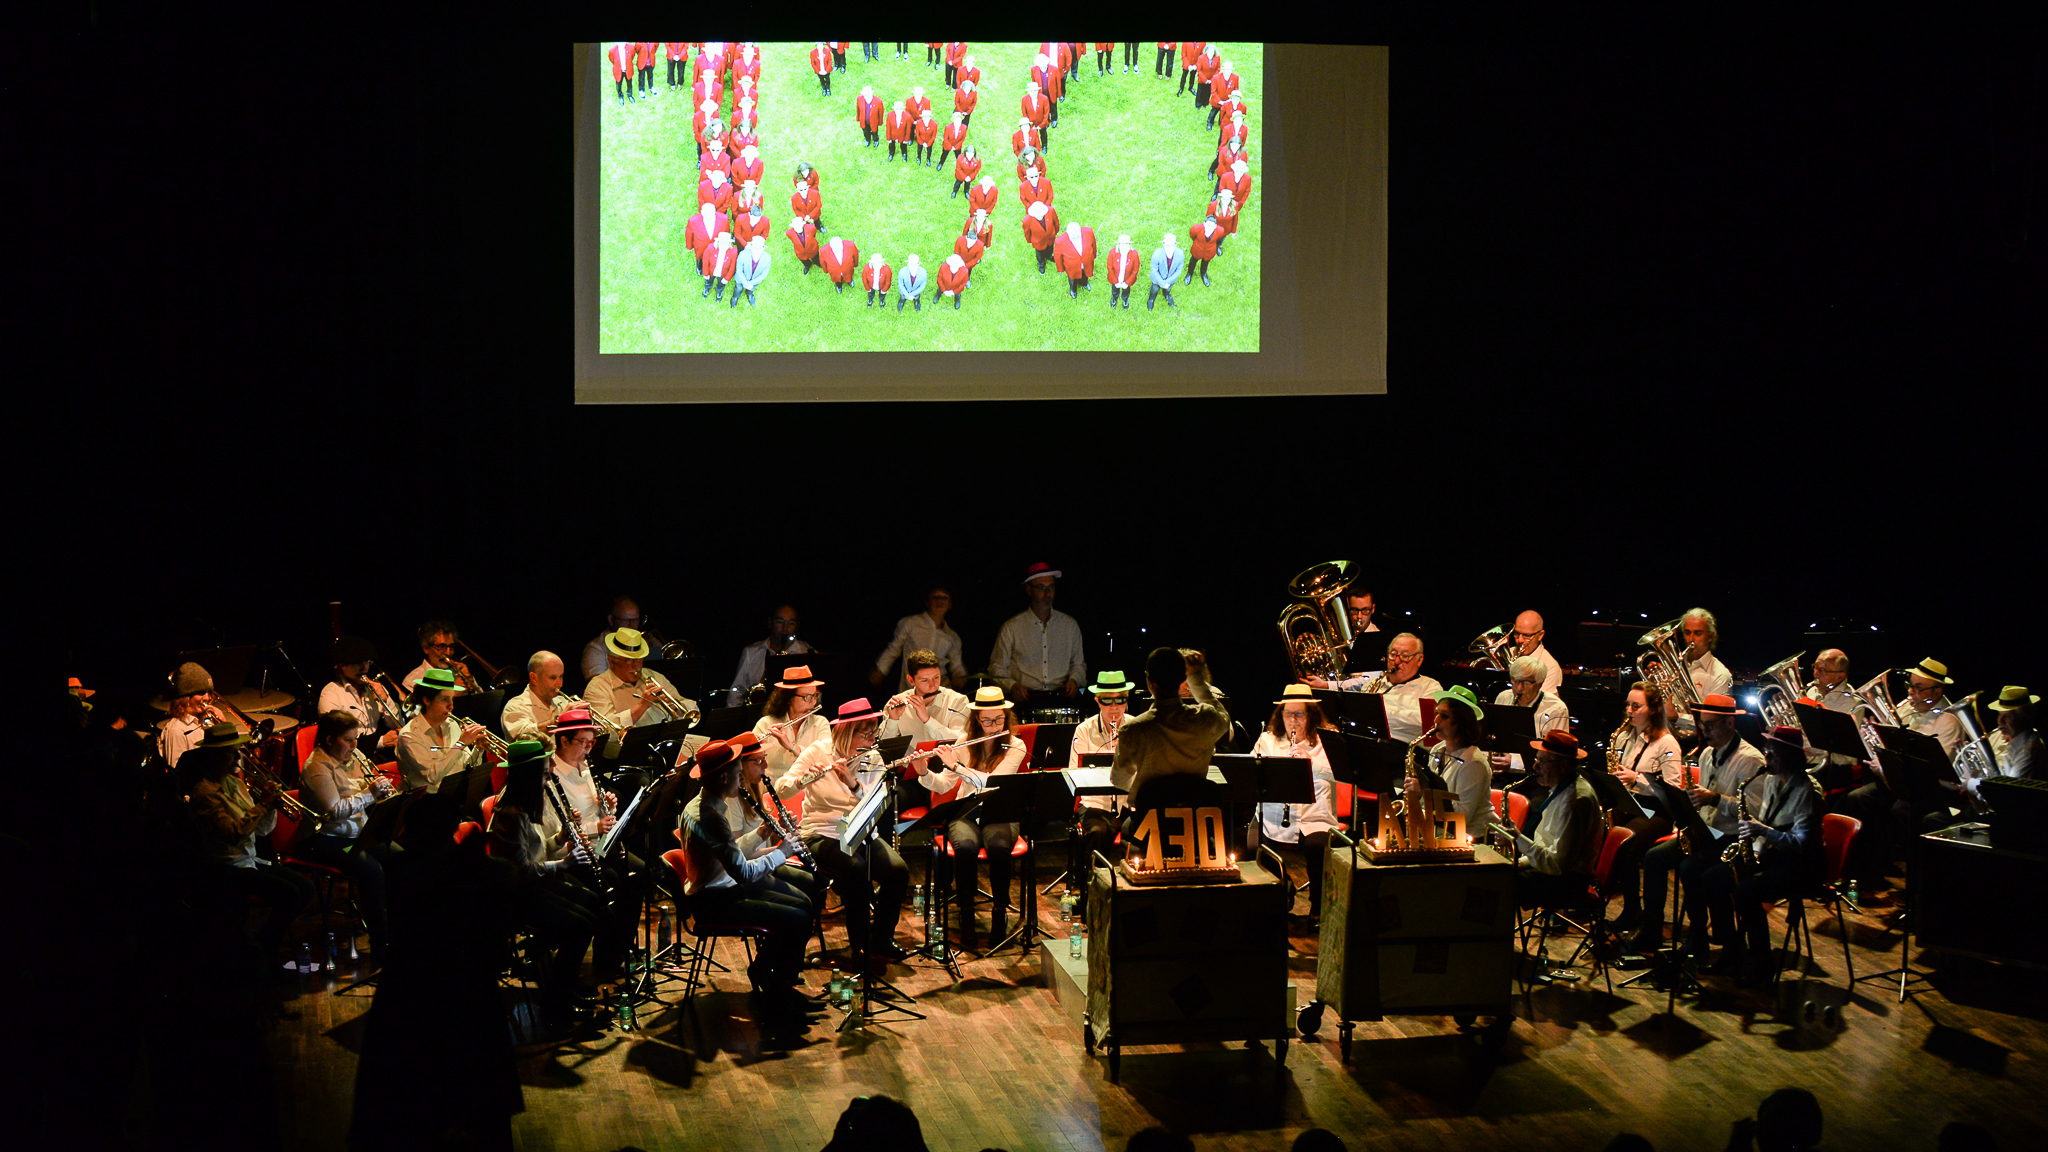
1041, 569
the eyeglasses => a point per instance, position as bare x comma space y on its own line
1521, 635
440, 647
807, 695
1527, 683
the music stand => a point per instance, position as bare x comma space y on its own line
485, 708
1258, 780
1362, 712
855, 828
638, 749
1054, 746
935, 820
1030, 800
725, 723
775, 667
1510, 729
1099, 760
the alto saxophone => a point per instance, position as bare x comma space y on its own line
1614, 748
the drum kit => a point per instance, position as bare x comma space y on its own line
260, 705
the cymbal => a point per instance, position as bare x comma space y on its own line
278, 724
257, 700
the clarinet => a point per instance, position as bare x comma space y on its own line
579, 844
784, 825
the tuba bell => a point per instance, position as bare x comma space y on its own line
1873, 710
1781, 687
1663, 666
1314, 628
1975, 760
1494, 647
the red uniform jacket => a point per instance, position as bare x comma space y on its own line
708, 63
648, 51
1225, 158
698, 237
812, 179
1224, 220
1036, 108
745, 228
982, 198
716, 261
964, 101
1205, 68
1044, 168
934, 45
621, 56
966, 167
715, 159
810, 206
876, 279
1030, 190
1189, 50
917, 105
969, 76
803, 239
1168, 45
698, 121
1225, 84
747, 68
896, 129
984, 233
1078, 262
1048, 81
956, 135
867, 111
840, 46
1123, 267
1204, 241
1039, 233
955, 53
747, 91
821, 60
742, 171
737, 140
969, 248
1240, 187
927, 130
1100, 46
840, 268
953, 279
1023, 138
707, 89
677, 49
719, 197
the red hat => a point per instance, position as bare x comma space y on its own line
79, 690
711, 757
1041, 569
746, 744
854, 711
1719, 705
1789, 736
574, 720
1561, 743
799, 676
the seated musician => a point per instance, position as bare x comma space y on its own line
832, 785
1529, 642
1295, 729
531, 714
781, 641
1727, 764
338, 785
1173, 739
192, 712
791, 720
733, 882
437, 650
752, 756
595, 811
1096, 735
630, 695
1402, 684
1527, 677
1560, 840
1457, 764
1701, 633
2016, 744
1785, 836
1647, 750
624, 613
229, 818
557, 903
436, 742
992, 715
928, 710
1830, 690
352, 691
1891, 820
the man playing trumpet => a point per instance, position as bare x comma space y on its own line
631, 695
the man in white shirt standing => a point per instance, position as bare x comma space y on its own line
781, 641
925, 631
1403, 684
1039, 649
1526, 679
531, 714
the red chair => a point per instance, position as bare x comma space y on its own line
1589, 908
466, 829
303, 742
707, 932
490, 805
1028, 733
283, 838
935, 899
1837, 834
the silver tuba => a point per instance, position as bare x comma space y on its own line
1874, 709
1975, 760
1662, 665
1315, 628
1494, 647
1780, 688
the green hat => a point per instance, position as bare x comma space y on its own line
1462, 695
1111, 683
439, 679
521, 751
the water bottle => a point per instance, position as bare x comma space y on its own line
836, 988
917, 901
661, 934
1077, 941
1067, 905
354, 957
333, 951
625, 1012
1852, 894
306, 958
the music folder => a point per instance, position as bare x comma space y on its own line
1831, 731
1268, 779
1510, 729
1090, 781
1098, 759
640, 742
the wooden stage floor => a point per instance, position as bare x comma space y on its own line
998, 1064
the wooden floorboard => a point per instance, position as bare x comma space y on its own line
997, 1064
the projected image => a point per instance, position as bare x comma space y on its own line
890, 197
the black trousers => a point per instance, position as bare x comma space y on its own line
283, 892
839, 59
1534, 889
953, 76
825, 82
1709, 882
871, 49
1044, 257
1164, 65
903, 48
1202, 94
770, 904
1625, 873
1131, 54
1102, 60
1154, 295
566, 915
933, 56
1311, 849
675, 74
364, 868
1187, 76
871, 912
969, 839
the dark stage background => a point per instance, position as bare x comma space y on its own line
1673, 324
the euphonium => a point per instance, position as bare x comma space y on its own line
1975, 760
1494, 646
1774, 699
1665, 666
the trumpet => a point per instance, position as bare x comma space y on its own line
597, 716
372, 779
655, 693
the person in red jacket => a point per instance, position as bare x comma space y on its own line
803, 240
1163, 66
806, 203
969, 74
714, 159
1224, 210
1074, 253
954, 137
1104, 49
1222, 87
1026, 136
952, 279
745, 198
919, 103
714, 137
1041, 228
742, 136
981, 230
716, 190
1034, 188
966, 167
841, 259
621, 57
1229, 157
876, 276
1046, 81
1123, 270
821, 63
1238, 183
1205, 75
1037, 112
747, 65
927, 132
1029, 159
934, 54
710, 61
716, 263
751, 223
746, 88
867, 112
955, 54
704, 228
747, 169
1205, 236
710, 88
1190, 51
648, 51
964, 99
707, 113
678, 55
896, 129
1227, 111
839, 53
983, 196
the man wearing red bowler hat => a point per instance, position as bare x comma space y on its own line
1559, 842
1728, 765
1039, 649
1782, 838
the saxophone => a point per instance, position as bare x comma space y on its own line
1739, 855
1614, 748
1417, 826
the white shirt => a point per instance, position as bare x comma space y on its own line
1936, 720
1041, 657
413, 677
427, 753
827, 800
947, 711
337, 794
1011, 763
1553, 673
1551, 715
921, 631
1709, 676
754, 661
337, 696
177, 736
1092, 736
1564, 836
1320, 814
596, 657
617, 698
1404, 701
527, 717
813, 728
2016, 757
1836, 699
1659, 757
1468, 775
1724, 771
582, 792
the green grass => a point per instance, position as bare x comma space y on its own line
1128, 156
